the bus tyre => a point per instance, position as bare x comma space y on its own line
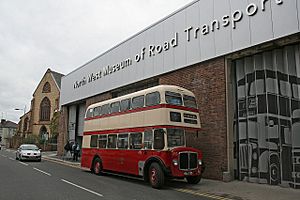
97, 166
193, 179
156, 176
274, 171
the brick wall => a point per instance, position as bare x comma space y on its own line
207, 81
98, 98
63, 130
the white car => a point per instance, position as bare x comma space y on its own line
28, 152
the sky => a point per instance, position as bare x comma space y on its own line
63, 35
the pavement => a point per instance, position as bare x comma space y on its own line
65, 159
236, 190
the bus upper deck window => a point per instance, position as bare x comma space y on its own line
97, 111
152, 99
125, 105
189, 101
105, 109
173, 98
89, 113
138, 102
115, 107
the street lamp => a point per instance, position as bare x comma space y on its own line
24, 109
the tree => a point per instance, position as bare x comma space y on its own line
54, 125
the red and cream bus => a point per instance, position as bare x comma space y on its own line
144, 134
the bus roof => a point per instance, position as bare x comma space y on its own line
159, 88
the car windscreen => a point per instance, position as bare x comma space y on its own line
29, 147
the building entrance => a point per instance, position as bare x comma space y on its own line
267, 117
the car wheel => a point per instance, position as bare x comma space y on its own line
156, 176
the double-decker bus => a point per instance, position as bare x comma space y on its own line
144, 134
268, 118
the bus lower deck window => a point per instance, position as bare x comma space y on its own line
102, 141
175, 137
94, 140
148, 139
123, 141
159, 139
112, 140
135, 140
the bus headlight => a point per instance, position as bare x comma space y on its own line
175, 162
199, 162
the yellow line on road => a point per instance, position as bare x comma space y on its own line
201, 194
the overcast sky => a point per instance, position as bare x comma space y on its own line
63, 35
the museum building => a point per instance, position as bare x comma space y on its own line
241, 58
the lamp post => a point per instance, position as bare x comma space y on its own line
24, 109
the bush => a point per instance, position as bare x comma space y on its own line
31, 139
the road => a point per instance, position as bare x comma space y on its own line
52, 181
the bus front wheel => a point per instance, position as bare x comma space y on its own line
156, 176
97, 166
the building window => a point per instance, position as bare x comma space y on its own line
44, 133
45, 109
47, 88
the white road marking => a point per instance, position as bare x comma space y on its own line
4, 156
23, 163
11, 158
42, 171
100, 195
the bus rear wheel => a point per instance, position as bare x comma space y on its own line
156, 176
193, 179
97, 166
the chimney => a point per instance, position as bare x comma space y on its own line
2, 121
